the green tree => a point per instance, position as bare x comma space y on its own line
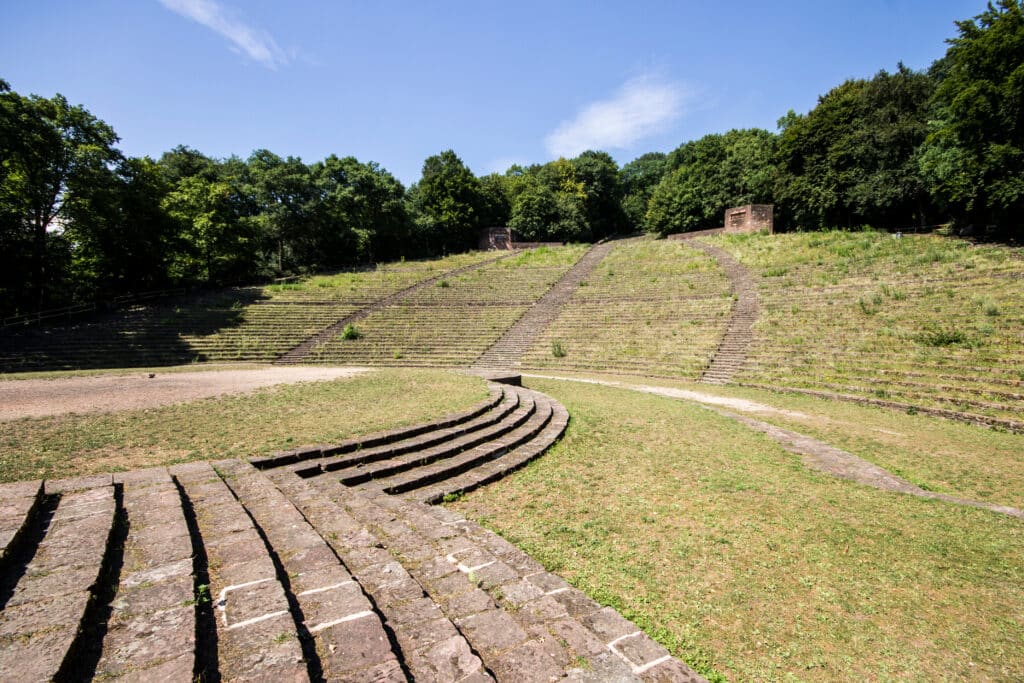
852, 159
360, 214
602, 196
46, 146
708, 176
283, 193
447, 204
973, 158
122, 237
639, 177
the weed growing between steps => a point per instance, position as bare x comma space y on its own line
238, 426
740, 560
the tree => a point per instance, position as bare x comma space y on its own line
853, 158
708, 176
973, 159
447, 204
284, 199
46, 146
360, 214
598, 174
639, 178
122, 237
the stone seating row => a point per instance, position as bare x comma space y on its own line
276, 569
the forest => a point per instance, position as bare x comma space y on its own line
82, 222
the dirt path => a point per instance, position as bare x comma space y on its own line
109, 393
815, 454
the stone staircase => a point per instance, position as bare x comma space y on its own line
731, 353
300, 352
322, 563
509, 348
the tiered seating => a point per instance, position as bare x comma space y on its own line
278, 570
457, 319
922, 321
239, 324
650, 307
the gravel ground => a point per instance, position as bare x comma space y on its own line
110, 393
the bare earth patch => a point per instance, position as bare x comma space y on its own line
111, 393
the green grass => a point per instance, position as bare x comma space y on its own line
749, 566
925, 320
650, 306
937, 454
239, 426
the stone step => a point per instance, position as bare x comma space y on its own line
498, 467
432, 649
390, 467
495, 396
48, 607
435, 443
256, 636
342, 634
150, 632
19, 504
467, 460
525, 623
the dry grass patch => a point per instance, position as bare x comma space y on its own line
724, 547
237, 426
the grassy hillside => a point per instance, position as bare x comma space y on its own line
237, 324
650, 307
922, 320
455, 320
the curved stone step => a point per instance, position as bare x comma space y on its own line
496, 469
472, 459
382, 469
227, 571
495, 396
464, 435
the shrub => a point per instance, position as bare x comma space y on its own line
557, 350
937, 336
351, 332
443, 284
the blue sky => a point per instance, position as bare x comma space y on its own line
499, 82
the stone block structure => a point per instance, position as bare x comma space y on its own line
495, 238
750, 218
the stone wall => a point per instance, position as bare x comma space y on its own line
495, 238
750, 218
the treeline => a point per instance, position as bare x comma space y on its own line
80, 221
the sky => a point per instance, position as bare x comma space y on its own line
498, 82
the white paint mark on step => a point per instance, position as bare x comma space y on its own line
335, 622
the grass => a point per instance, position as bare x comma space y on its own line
749, 566
926, 320
649, 306
239, 426
237, 324
939, 455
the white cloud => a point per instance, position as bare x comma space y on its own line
257, 44
642, 107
